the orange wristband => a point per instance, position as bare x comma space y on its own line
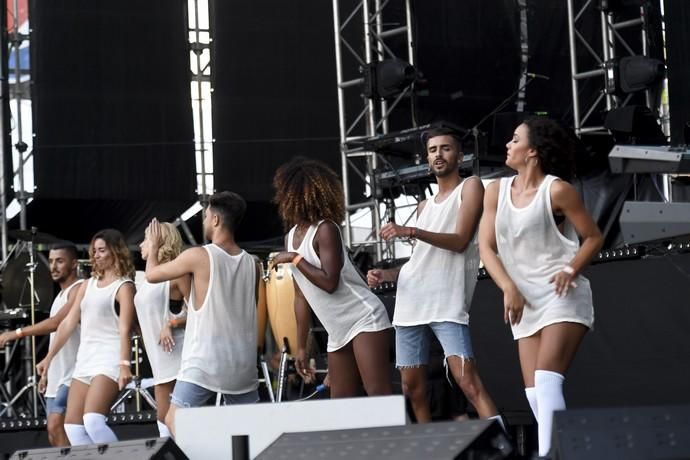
297, 259
172, 323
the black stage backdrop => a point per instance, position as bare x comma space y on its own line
274, 98
112, 113
677, 15
636, 355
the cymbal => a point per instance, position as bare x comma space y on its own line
38, 237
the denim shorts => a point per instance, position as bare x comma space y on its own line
412, 343
58, 404
188, 394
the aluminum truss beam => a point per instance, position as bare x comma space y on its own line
611, 46
366, 117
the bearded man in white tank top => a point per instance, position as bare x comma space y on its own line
219, 351
529, 245
436, 285
63, 270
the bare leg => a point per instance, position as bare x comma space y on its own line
170, 418
528, 350
162, 392
56, 430
467, 377
559, 343
75, 402
371, 354
343, 372
102, 393
414, 387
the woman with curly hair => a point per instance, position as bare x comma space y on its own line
528, 240
161, 312
310, 201
106, 312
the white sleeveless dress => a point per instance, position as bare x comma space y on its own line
99, 348
152, 302
219, 351
62, 365
437, 285
348, 311
532, 250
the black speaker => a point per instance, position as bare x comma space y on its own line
138, 449
644, 433
476, 439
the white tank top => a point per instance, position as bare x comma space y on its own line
532, 250
437, 284
62, 366
220, 341
348, 311
152, 302
99, 348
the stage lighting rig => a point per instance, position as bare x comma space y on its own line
388, 78
631, 74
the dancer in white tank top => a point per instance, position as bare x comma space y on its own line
63, 269
310, 202
529, 247
161, 328
219, 353
435, 287
106, 311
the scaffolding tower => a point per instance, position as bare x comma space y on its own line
611, 46
361, 117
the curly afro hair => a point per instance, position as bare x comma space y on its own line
554, 146
308, 191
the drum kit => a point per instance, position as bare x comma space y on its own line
26, 284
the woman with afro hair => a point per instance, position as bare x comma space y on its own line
528, 241
310, 202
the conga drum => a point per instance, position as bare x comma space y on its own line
280, 298
261, 308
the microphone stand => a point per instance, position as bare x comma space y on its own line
476, 132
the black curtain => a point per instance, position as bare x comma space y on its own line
113, 143
274, 97
468, 53
111, 100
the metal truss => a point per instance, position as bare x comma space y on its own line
200, 38
611, 46
365, 117
21, 175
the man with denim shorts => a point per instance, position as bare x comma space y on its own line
220, 346
63, 270
435, 287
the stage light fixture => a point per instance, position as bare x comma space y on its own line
387, 78
632, 74
634, 125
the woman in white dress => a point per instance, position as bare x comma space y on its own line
528, 240
310, 202
161, 311
106, 313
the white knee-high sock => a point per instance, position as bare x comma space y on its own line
531, 394
98, 431
163, 430
77, 435
549, 389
